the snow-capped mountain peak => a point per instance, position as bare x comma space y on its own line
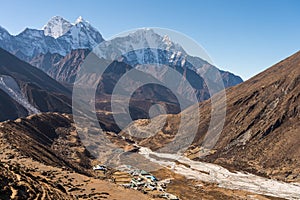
4, 33
148, 38
56, 27
82, 34
57, 36
80, 20
169, 44
3, 29
143, 46
167, 39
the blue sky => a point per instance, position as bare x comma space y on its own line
241, 36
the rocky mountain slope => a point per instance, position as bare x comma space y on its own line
261, 132
27, 90
42, 158
61, 68
65, 69
49, 139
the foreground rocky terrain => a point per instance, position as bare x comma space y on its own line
42, 157
24, 178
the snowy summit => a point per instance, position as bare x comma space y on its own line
56, 27
79, 19
57, 36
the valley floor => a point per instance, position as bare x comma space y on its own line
211, 173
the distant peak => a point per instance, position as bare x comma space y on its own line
166, 38
3, 29
56, 27
146, 29
80, 20
143, 32
57, 18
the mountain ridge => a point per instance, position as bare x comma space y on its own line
59, 36
32, 42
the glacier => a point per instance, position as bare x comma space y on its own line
10, 86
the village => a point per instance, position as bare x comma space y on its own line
137, 179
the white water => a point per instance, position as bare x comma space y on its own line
9, 85
208, 172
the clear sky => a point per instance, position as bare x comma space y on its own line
241, 36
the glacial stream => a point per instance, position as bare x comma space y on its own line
212, 173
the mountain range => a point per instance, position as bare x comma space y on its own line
60, 48
43, 157
57, 36
56, 40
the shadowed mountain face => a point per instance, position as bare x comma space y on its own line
166, 52
26, 89
61, 68
261, 132
10, 109
65, 69
141, 100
